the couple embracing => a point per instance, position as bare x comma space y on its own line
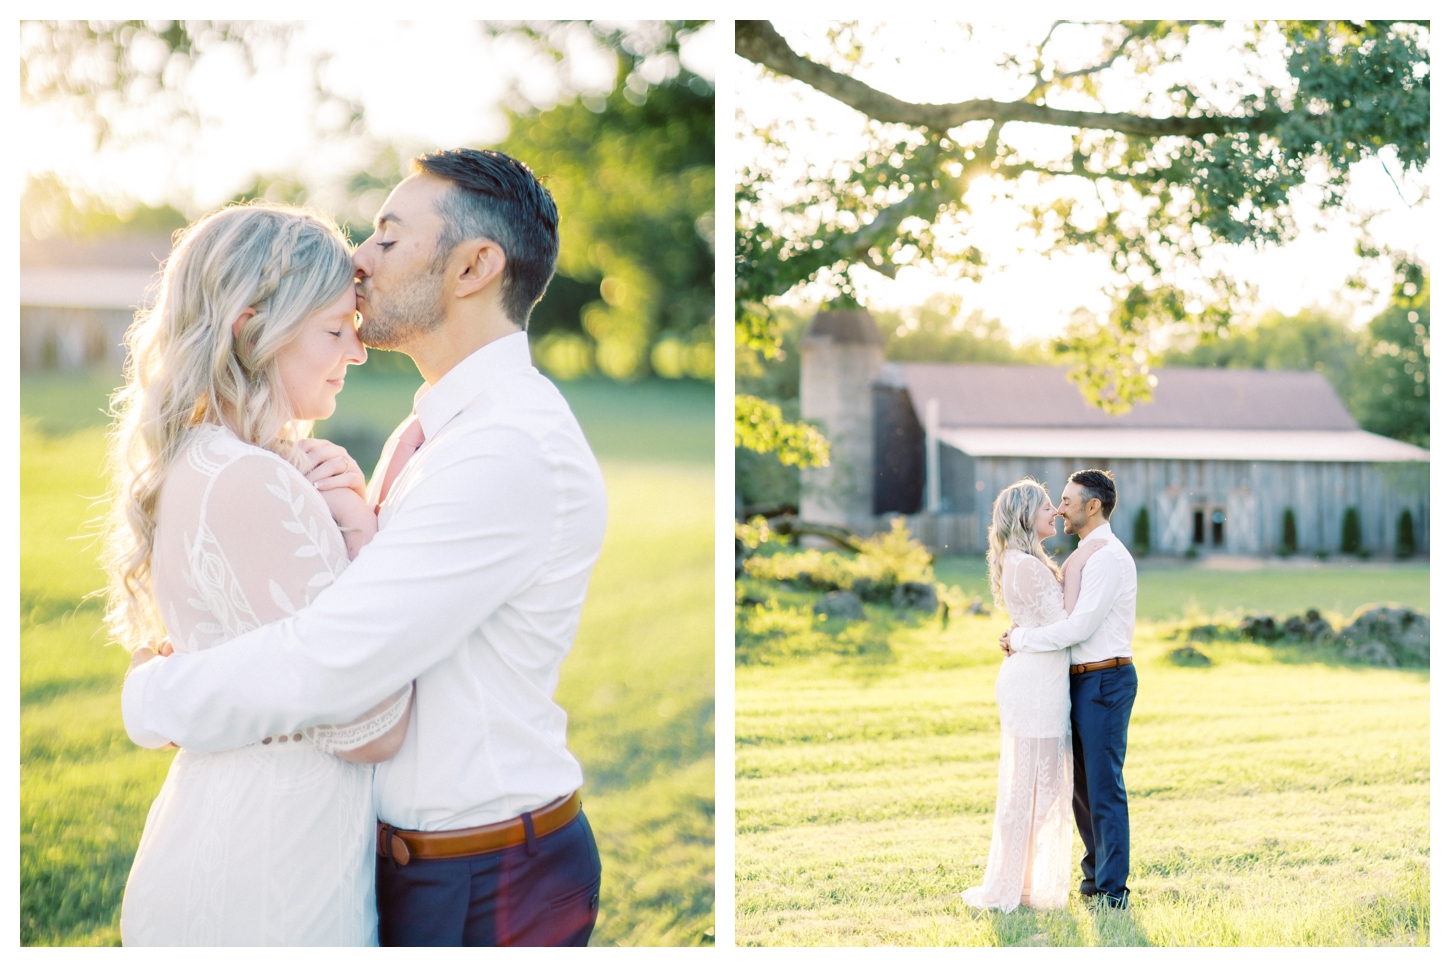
360, 676
1065, 693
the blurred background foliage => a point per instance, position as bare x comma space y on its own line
631, 165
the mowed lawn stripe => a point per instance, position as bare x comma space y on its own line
1277, 797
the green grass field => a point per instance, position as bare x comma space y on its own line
1278, 797
639, 685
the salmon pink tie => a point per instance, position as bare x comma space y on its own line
408, 443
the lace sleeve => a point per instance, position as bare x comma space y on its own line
276, 542
371, 725
1033, 596
265, 544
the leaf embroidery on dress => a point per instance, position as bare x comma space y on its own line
1034, 594
279, 597
216, 590
317, 545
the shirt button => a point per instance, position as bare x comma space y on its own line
297, 737
267, 740
282, 739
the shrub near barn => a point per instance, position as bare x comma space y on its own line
795, 602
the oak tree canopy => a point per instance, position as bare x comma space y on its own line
1151, 183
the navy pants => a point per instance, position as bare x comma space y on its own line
539, 894
1102, 702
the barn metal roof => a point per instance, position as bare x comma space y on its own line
1089, 443
972, 395
89, 288
103, 273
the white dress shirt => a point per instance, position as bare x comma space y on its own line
1101, 625
473, 587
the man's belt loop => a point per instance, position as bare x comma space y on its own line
385, 832
392, 846
531, 842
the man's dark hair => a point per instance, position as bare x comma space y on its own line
498, 198
1099, 484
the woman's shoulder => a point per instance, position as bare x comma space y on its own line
212, 448
216, 457
1018, 557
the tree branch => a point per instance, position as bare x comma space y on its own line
758, 41
860, 242
1084, 71
1039, 63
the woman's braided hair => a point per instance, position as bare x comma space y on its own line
185, 367
1012, 527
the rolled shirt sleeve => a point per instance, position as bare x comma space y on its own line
1101, 578
472, 531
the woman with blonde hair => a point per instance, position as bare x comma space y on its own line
1029, 862
224, 516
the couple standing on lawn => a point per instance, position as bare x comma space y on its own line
1065, 693
428, 611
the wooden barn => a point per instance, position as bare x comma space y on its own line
1216, 459
78, 298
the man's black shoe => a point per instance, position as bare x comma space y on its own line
1113, 902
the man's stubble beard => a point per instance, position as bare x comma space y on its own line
416, 310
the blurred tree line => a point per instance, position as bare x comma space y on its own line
1380, 371
632, 172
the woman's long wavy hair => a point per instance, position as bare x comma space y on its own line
185, 367
1012, 527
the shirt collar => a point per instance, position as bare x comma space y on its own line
1101, 532
479, 372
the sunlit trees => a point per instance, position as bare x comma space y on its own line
635, 184
1381, 372
1160, 165
630, 159
1393, 389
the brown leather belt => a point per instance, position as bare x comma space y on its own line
1093, 666
403, 845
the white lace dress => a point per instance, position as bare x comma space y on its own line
271, 844
1030, 858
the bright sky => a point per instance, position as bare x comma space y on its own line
1034, 295
423, 85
